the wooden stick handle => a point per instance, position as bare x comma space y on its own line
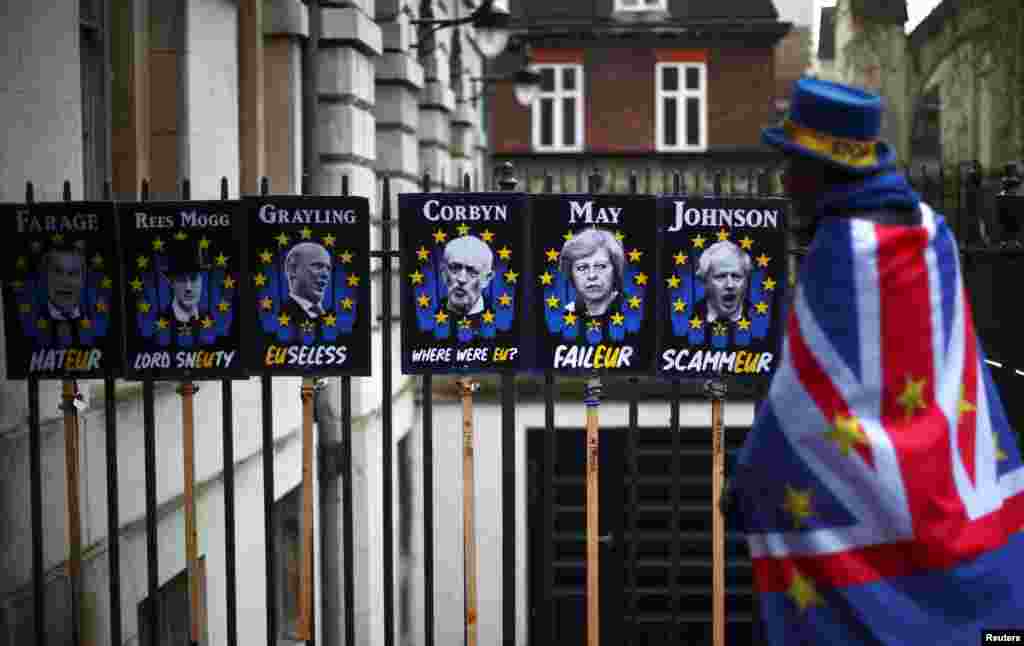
304, 628
592, 399
187, 391
717, 523
74, 514
469, 511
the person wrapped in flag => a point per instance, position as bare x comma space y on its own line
880, 489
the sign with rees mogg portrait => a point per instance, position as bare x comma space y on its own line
310, 306
724, 277
183, 267
595, 259
61, 291
462, 281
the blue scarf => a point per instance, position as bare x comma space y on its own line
888, 190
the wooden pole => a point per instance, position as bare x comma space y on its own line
468, 387
187, 391
717, 520
304, 629
74, 514
592, 399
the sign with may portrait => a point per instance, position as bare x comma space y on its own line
182, 267
462, 281
310, 277
724, 277
596, 269
61, 290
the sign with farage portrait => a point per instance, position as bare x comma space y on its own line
724, 277
60, 290
462, 281
182, 266
595, 282
310, 277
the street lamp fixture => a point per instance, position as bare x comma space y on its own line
490, 19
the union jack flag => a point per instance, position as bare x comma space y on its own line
881, 487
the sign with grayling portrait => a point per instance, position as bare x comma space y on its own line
462, 281
595, 282
309, 260
61, 290
183, 267
723, 278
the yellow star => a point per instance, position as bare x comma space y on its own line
761, 307
802, 592
569, 318
307, 326
106, 283
912, 397
1000, 453
422, 253
282, 240
618, 318
679, 305
680, 258
552, 302
720, 329
511, 276
695, 323
699, 241
769, 284
593, 325
846, 433
58, 237
136, 284
266, 256
266, 303
762, 260
229, 282
21, 262
86, 324
204, 243
746, 242
634, 255
441, 318
416, 277
504, 253
305, 233
353, 281
744, 324
634, 302
221, 260
423, 301
284, 319
486, 235
465, 324
440, 236
345, 257
620, 236
346, 303
223, 306
552, 255
545, 278
329, 240
162, 324
158, 244
798, 505
330, 320
42, 324
723, 235
463, 229
97, 261
488, 316
102, 306
965, 406
504, 300
144, 307
567, 236
142, 262
181, 235
260, 279
207, 322
673, 281
641, 278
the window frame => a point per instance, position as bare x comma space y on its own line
558, 94
681, 93
641, 5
